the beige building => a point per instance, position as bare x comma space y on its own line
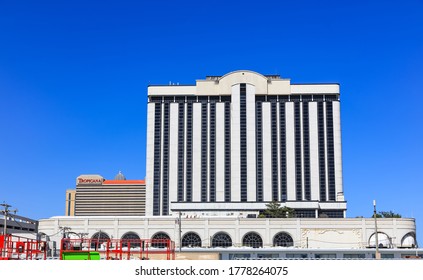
96, 196
70, 203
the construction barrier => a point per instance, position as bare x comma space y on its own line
20, 248
116, 249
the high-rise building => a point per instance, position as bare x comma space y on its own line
96, 196
230, 144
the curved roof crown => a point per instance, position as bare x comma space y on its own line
120, 176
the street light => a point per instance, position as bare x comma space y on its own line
377, 254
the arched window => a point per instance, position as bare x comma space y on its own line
383, 240
252, 239
160, 240
131, 239
98, 239
191, 239
409, 240
221, 239
283, 239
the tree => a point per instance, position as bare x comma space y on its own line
274, 210
387, 214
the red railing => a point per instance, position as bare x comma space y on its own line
21, 248
120, 249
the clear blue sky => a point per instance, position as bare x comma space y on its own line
74, 77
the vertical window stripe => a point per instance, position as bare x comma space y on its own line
204, 149
157, 158
259, 150
322, 157
282, 131
306, 149
227, 151
298, 156
330, 151
165, 183
212, 151
181, 150
274, 146
189, 153
243, 140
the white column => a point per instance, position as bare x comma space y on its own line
235, 144
337, 144
173, 153
196, 153
251, 143
290, 150
220, 152
314, 151
150, 160
267, 152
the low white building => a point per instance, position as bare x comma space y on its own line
207, 232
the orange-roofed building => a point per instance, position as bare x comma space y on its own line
96, 196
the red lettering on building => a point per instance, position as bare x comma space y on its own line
89, 181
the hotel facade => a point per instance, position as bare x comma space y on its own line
231, 144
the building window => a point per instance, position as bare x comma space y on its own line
259, 148
204, 160
282, 148
283, 239
221, 239
306, 150
191, 240
227, 151
325, 256
239, 256
296, 256
98, 239
181, 150
322, 157
409, 240
212, 148
268, 256
331, 214
274, 147
354, 256
304, 213
243, 140
253, 240
131, 240
330, 151
298, 156
160, 240
189, 153
157, 158
165, 183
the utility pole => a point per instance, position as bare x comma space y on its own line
377, 254
180, 231
5, 213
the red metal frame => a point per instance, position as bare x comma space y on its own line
20, 248
120, 249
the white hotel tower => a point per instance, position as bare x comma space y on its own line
230, 144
